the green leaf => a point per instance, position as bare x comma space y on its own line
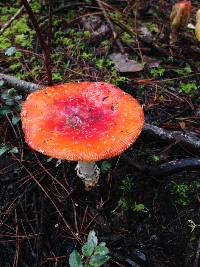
10, 102
105, 166
98, 260
75, 259
1, 83
4, 111
18, 97
4, 149
101, 249
15, 120
49, 159
92, 237
10, 51
56, 76
88, 248
7, 95
14, 150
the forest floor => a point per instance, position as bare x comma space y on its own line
145, 220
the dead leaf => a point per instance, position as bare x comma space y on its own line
152, 62
124, 64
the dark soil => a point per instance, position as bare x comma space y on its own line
45, 212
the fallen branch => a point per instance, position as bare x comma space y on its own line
189, 140
175, 166
11, 81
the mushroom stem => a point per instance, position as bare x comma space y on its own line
89, 173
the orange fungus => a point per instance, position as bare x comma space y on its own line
86, 121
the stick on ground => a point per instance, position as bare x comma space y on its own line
11, 81
119, 44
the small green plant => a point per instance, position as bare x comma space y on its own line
11, 97
193, 225
155, 158
8, 149
141, 90
93, 254
139, 207
126, 201
182, 192
68, 42
116, 15
103, 63
4, 42
114, 76
127, 185
36, 6
87, 56
184, 71
87, 34
105, 166
120, 80
122, 205
157, 72
188, 88
56, 76
12, 101
152, 27
127, 38
105, 43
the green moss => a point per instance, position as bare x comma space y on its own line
5, 43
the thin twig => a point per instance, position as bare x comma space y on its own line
121, 48
49, 37
136, 37
41, 39
8, 23
16, 258
168, 168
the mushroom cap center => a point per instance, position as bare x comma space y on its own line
80, 117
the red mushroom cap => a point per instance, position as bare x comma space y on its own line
85, 121
180, 14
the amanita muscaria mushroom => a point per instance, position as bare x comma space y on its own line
179, 17
197, 26
84, 122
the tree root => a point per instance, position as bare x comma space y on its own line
187, 139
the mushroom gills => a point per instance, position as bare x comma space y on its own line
89, 173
